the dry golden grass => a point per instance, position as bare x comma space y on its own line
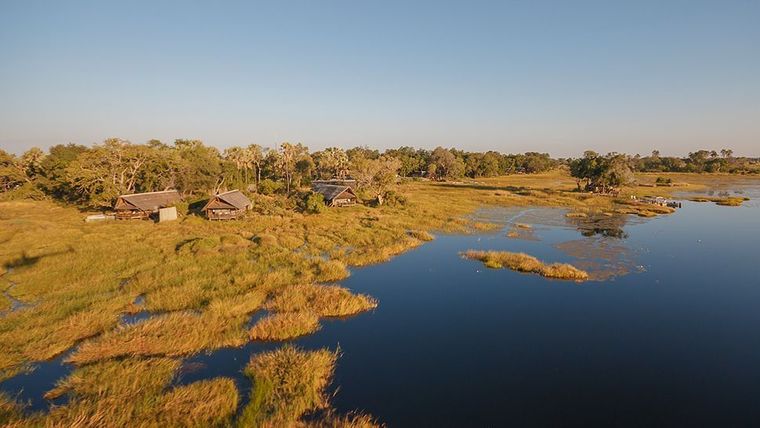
11, 412
284, 326
323, 300
422, 235
729, 201
351, 420
288, 383
199, 404
524, 263
134, 392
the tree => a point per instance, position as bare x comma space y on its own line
255, 159
31, 162
332, 162
290, 155
375, 177
12, 173
613, 170
200, 168
447, 165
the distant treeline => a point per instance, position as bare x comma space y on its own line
94, 176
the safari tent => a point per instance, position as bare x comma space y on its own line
143, 205
227, 206
335, 195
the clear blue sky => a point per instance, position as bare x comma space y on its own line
557, 76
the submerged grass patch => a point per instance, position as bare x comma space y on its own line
286, 325
524, 263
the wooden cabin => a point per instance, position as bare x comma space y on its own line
227, 206
143, 205
335, 195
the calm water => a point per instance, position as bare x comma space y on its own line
672, 339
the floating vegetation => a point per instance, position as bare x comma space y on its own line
729, 201
576, 214
522, 231
485, 227
284, 326
524, 263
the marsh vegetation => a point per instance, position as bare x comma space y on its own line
525, 263
201, 282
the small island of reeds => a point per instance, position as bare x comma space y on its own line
522, 262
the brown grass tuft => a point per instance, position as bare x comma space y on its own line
288, 382
524, 263
284, 326
323, 300
422, 235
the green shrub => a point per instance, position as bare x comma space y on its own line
314, 203
269, 187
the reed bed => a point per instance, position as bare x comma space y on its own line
422, 235
288, 383
284, 326
730, 201
323, 300
522, 262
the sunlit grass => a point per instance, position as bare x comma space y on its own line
323, 300
283, 326
288, 383
204, 279
524, 263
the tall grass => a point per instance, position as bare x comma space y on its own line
524, 263
288, 383
283, 326
323, 300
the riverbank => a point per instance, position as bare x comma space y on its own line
76, 280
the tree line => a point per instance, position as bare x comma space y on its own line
94, 176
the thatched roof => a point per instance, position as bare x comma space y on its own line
332, 191
150, 201
234, 199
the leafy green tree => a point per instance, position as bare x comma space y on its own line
200, 169
12, 174
447, 165
375, 177
332, 162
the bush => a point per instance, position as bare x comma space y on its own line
394, 199
663, 180
269, 187
314, 203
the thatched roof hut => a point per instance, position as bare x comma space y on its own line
227, 206
334, 194
142, 205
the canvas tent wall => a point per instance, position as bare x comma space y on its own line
335, 195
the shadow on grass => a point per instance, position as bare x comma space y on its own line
25, 260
